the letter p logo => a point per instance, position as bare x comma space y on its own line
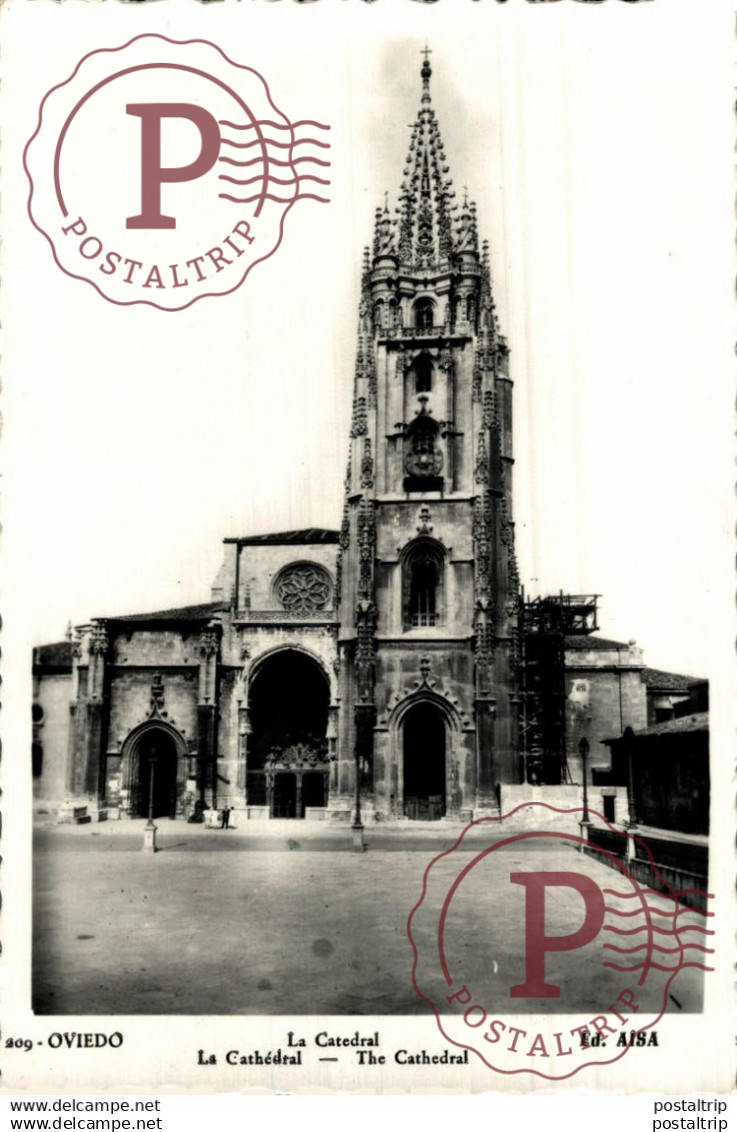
537, 943
152, 175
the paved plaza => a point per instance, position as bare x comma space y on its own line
294, 921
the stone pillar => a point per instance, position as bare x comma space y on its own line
453, 784
486, 800
298, 802
244, 730
629, 748
207, 715
331, 783
382, 772
396, 787
340, 800
508, 762
88, 771
365, 720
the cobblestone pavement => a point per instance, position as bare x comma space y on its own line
218, 922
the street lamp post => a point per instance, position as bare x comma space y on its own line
358, 842
585, 823
149, 830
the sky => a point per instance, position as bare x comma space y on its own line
597, 144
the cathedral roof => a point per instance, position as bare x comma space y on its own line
682, 725
658, 681
297, 538
57, 656
699, 721
579, 642
183, 613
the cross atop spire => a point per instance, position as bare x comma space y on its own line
426, 72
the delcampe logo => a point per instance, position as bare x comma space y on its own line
161, 172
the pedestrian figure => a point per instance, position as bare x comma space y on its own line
225, 818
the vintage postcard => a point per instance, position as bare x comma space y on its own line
367, 556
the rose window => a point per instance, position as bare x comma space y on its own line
303, 589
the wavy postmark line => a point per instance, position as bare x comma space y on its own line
663, 895
651, 965
629, 895
278, 145
275, 180
274, 161
566, 837
277, 200
639, 912
655, 928
656, 947
84, 278
275, 125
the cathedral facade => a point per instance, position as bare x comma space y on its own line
379, 662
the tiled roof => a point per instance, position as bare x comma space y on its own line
301, 537
699, 721
57, 655
183, 613
658, 681
681, 725
581, 643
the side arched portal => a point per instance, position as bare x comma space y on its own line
154, 773
424, 759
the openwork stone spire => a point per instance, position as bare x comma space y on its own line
426, 236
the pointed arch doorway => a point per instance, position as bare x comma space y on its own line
424, 758
157, 768
289, 698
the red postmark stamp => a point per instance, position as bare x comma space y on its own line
538, 950
162, 172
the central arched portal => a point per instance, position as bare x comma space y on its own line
424, 759
157, 775
287, 765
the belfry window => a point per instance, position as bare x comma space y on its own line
423, 367
471, 308
423, 588
423, 313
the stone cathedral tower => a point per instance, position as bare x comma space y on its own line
427, 579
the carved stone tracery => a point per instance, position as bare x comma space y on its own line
303, 588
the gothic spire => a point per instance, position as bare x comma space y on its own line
426, 198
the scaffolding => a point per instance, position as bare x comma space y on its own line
544, 624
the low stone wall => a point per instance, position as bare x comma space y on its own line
511, 797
